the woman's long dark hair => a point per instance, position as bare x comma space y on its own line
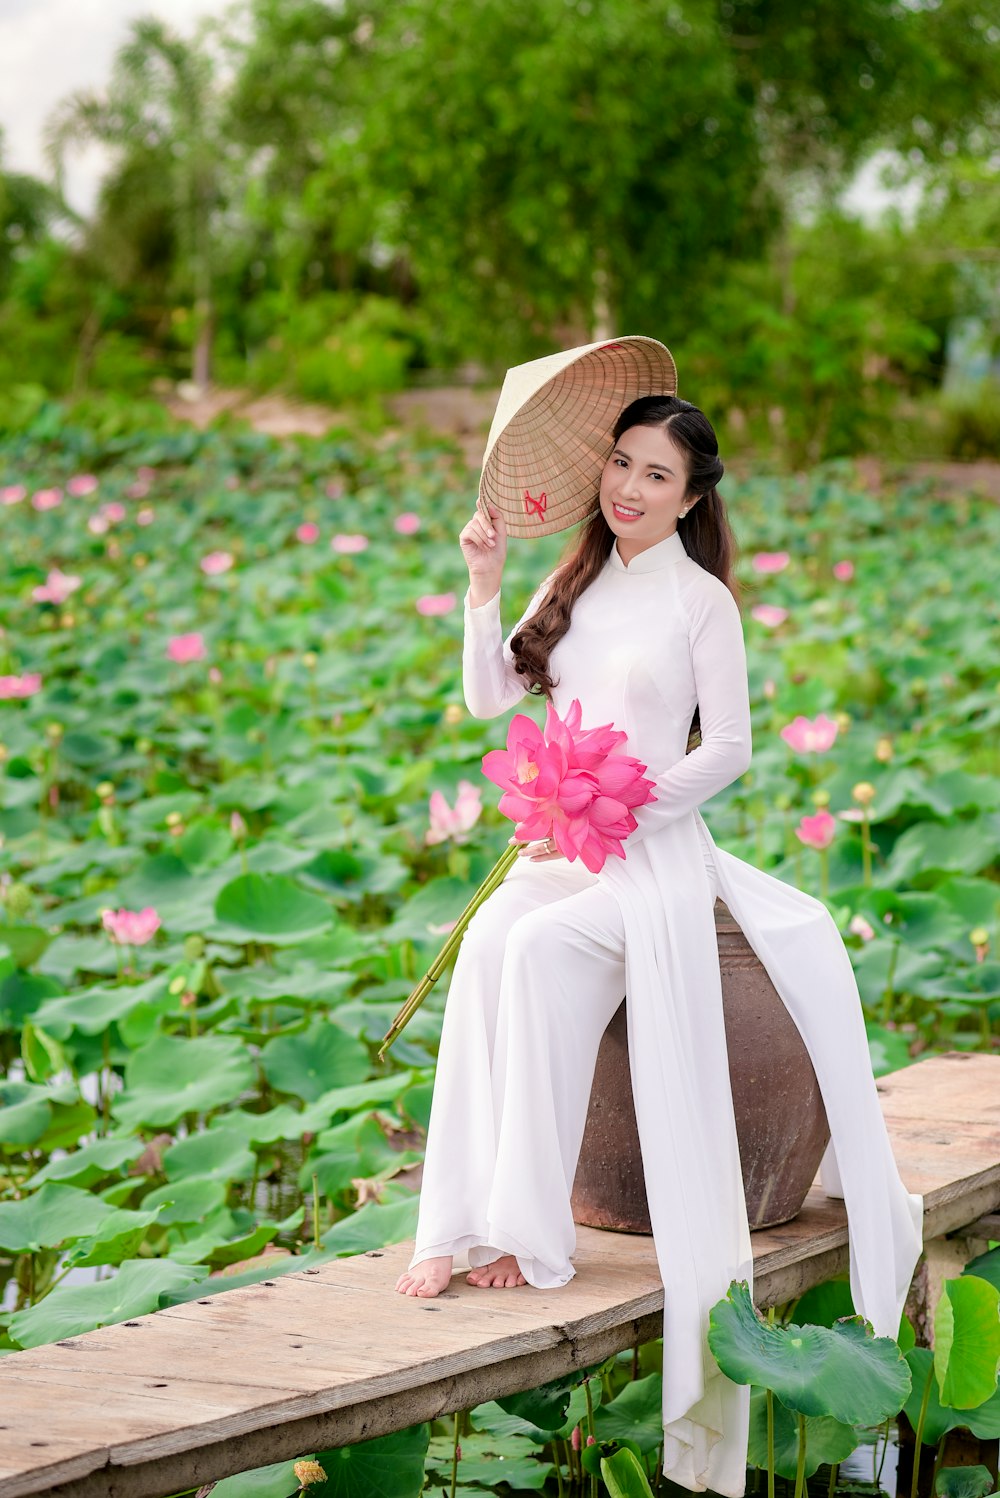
704, 530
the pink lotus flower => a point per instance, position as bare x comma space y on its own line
56, 588
810, 736
134, 927
46, 499
770, 561
566, 783
114, 511
770, 688
349, 544
145, 474
214, 675
817, 831
20, 686
336, 489
843, 571
307, 532
406, 524
769, 614
436, 603
185, 648
80, 484
860, 927
145, 516
216, 562
12, 494
98, 524
138, 490
447, 821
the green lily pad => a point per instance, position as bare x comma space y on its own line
70, 1309
117, 1238
170, 1077
636, 1414
986, 1266
963, 1482
388, 1467
217, 1152
842, 1371
967, 1341
91, 1162
827, 1440
188, 1200
276, 1481
315, 1060
54, 1214
272, 908
373, 1226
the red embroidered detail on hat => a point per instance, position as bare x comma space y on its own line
536, 506
610, 345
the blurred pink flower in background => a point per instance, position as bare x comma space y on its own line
843, 571
336, 489
348, 544
769, 614
810, 736
134, 927
114, 511
436, 603
216, 562
145, 474
138, 490
184, 648
770, 561
46, 499
860, 927
145, 516
214, 675
56, 588
80, 484
770, 689
237, 826
13, 494
817, 831
20, 686
447, 821
307, 532
98, 524
406, 524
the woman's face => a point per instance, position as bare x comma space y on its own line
642, 488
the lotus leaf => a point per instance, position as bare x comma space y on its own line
117, 1238
68, 1310
827, 1440
373, 1226
963, 1482
636, 1414
315, 1060
189, 1200
91, 1162
986, 1266
52, 1215
270, 907
217, 1152
388, 1467
20, 996
843, 1371
170, 1077
490, 1460
967, 1341
623, 1475
276, 1481
183, 901
547, 1406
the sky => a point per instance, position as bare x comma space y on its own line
51, 48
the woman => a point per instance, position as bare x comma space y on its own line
642, 625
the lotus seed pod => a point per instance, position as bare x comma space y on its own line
18, 899
173, 818
177, 985
864, 793
143, 746
308, 1472
883, 750
54, 731
842, 720
821, 798
309, 660
194, 947
106, 790
979, 937
453, 713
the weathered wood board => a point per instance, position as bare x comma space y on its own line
326, 1357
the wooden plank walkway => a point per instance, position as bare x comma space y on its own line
325, 1357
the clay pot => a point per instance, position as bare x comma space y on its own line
780, 1119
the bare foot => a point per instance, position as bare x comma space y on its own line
503, 1274
427, 1278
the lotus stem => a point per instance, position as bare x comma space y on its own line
316, 1243
925, 1401
834, 1474
800, 1471
454, 1456
492, 881
770, 1443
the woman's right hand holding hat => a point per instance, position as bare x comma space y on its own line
484, 547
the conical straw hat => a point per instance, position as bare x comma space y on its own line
552, 429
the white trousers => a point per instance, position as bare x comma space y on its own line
538, 977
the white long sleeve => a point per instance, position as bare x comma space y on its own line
718, 662
489, 681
